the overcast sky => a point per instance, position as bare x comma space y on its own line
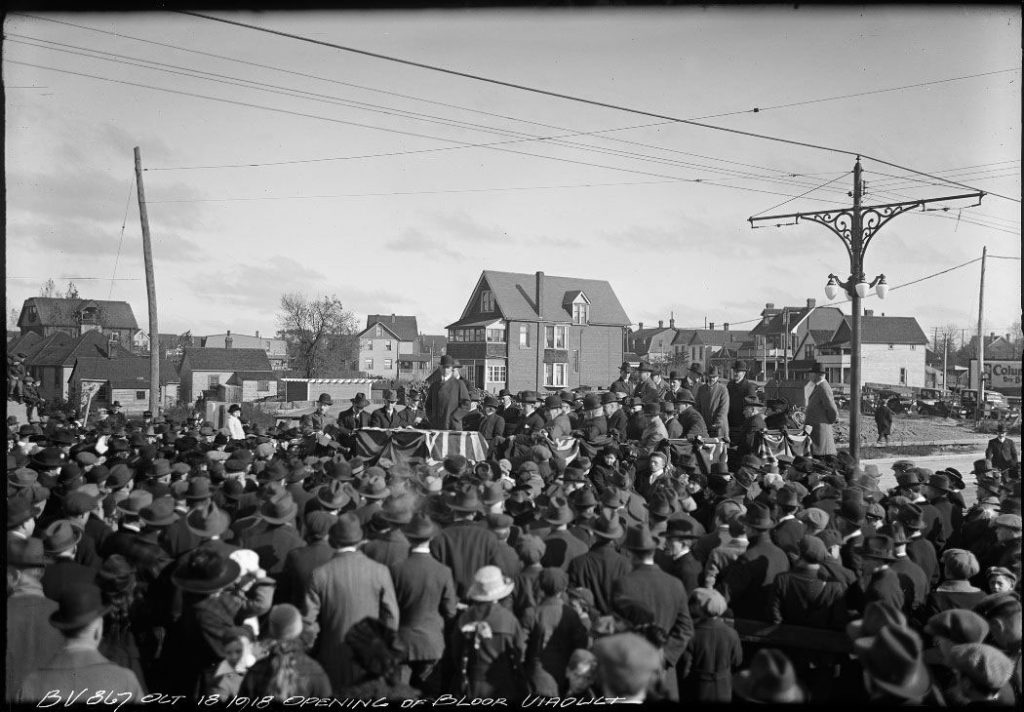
410, 233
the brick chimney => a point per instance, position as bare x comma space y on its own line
869, 312
711, 326
811, 303
661, 324
540, 295
228, 341
639, 326
725, 326
393, 318
672, 323
257, 333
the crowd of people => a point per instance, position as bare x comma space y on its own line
280, 563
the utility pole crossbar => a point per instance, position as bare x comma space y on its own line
856, 226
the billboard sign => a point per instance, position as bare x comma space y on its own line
1001, 376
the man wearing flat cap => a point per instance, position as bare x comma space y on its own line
445, 397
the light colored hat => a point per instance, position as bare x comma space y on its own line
247, 560
490, 584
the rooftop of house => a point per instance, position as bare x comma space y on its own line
402, 327
882, 330
224, 360
129, 372
515, 295
51, 311
56, 351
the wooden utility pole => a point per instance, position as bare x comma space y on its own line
981, 338
147, 255
945, 363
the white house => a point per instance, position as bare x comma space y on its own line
893, 350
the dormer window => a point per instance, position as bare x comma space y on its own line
88, 315
486, 301
579, 307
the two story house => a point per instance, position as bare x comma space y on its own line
50, 315
892, 351
387, 341
539, 332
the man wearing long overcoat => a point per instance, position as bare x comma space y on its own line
445, 397
821, 414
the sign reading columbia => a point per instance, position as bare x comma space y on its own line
1002, 376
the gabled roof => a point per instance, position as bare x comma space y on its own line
274, 347
718, 337
24, 343
683, 337
642, 338
515, 295
882, 330
403, 327
432, 343
131, 372
821, 336
64, 352
206, 359
64, 312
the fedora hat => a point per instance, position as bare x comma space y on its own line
877, 615
682, 529
347, 531
19, 511
275, 471
397, 510
758, 516
198, 489
893, 659
60, 536
817, 368
160, 513
279, 509
613, 498
78, 606
770, 678
559, 512
325, 399
339, 470
26, 553
939, 482
607, 528
660, 506
49, 458
610, 397
739, 366
466, 500
420, 528
205, 570
133, 504
332, 495
685, 395
583, 498
911, 516
639, 538
877, 546
360, 400
490, 584
207, 521
375, 487
22, 477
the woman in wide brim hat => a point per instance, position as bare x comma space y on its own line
489, 585
205, 571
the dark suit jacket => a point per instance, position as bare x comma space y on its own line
913, 581
787, 535
801, 597
62, 574
299, 565
748, 582
380, 419
425, 592
1002, 454
349, 421
714, 652
562, 547
692, 423
31, 640
598, 570
148, 557
713, 405
491, 426
737, 392
664, 597
619, 422
272, 542
443, 403
177, 539
390, 548
687, 568
465, 548
922, 552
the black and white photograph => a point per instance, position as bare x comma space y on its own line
513, 356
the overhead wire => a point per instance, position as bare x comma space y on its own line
237, 81
469, 109
577, 99
124, 222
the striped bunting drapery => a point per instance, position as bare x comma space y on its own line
430, 445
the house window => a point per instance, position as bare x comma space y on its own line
903, 376
580, 313
366, 344
554, 337
524, 336
212, 381
262, 386
368, 364
405, 365
486, 301
387, 345
496, 336
554, 374
808, 352
913, 347
140, 395
379, 331
388, 364
496, 374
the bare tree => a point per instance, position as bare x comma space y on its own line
319, 332
48, 290
71, 292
